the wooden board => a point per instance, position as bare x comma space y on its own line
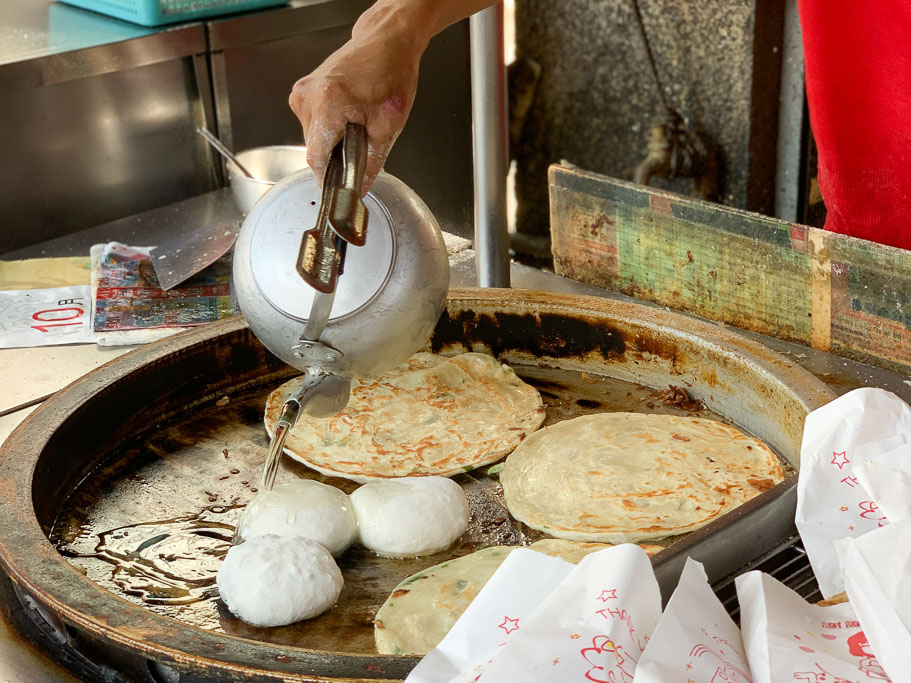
43, 273
829, 291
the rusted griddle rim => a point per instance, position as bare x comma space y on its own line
808, 390
38, 570
31, 561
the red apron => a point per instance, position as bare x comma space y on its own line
858, 70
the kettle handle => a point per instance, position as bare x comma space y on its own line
342, 216
347, 213
319, 259
354, 154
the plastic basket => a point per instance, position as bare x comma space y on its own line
159, 12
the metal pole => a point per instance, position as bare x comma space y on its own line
489, 143
790, 119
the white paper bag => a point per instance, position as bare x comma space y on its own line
696, 639
46, 317
788, 639
499, 609
592, 627
831, 503
877, 575
887, 478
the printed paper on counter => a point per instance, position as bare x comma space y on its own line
501, 607
592, 627
128, 297
695, 639
46, 317
831, 503
788, 639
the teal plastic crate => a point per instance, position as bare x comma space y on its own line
160, 12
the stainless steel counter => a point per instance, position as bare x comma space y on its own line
21, 662
43, 42
30, 29
99, 115
47, 29
98, 118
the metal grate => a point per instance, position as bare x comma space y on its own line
787, 562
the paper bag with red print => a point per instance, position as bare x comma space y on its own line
831, 503
593, 626
877, 574
497, 612
788, 639
695, 640
887, 478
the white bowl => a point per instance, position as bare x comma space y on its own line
268, 165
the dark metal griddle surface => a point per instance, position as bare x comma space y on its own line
208, 463
143, 440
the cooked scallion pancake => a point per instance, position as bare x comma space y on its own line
628, 477
431, 415
574, 551
423, 607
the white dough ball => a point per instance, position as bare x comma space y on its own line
302, 508
410, 516
278, 580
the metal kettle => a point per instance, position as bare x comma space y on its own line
352, 309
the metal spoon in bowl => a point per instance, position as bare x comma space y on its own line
224, 151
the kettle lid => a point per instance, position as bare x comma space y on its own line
277, 222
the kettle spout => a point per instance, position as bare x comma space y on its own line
322, 393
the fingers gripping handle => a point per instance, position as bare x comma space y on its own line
347, 213
342, 216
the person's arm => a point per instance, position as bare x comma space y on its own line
372, 78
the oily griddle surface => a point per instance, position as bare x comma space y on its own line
210, 462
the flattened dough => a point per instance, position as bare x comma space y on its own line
277, 580
423, 607
410, 516
628, 477
431, 415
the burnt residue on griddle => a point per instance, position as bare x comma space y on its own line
540, 334
677, 397
549, 390
251, 414
643, 346
540, 383
249, 352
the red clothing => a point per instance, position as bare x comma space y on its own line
858, 74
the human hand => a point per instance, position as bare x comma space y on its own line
371, 80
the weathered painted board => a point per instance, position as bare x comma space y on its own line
829, 291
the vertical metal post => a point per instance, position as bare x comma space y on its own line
489, 143
205, 113
790, 156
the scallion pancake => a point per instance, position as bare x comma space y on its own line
431, 415
423, 607
629, 477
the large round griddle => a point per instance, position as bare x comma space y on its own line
93, 427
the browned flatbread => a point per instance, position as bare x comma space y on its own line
834, 600
423, 607
629, 477
574, 551
431, 415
